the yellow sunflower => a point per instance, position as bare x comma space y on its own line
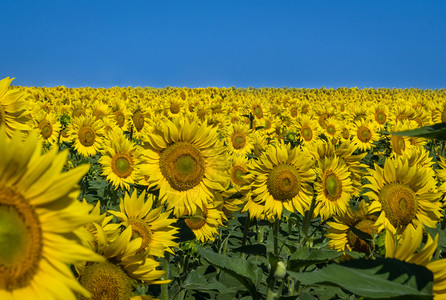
365, 133
187, 162
48, 126
87, 134
120, 160
308, 130
12, 108
152, 225
238, 139
405, 249
282, 180
39, 216
204, 222
341, 236
332, 128
333, 188
405, 195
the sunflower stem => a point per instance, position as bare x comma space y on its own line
276, 239
308, 218
164, 287
246, 230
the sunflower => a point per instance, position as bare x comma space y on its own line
364, 134
152, 225
187, 162
39, 216
332, 128
308, 130
282, 180
48, 126
120, 160
405, 249
87, 134
238, 139
380, 114
100, 110
140, 118
12, 108
341, 236
333, 187
405, 195
204, 222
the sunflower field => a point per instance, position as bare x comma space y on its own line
222, 193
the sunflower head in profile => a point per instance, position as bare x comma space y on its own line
39, 220
12, 108
204, 222
404, 194
186, 162
282, 180
333, 187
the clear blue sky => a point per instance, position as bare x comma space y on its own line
311, 43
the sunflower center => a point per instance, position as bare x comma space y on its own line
345, 133
398, 144
238, 141
175, 108
380, 117
86, 136
364, 134
358, 244
106, 281
45, 129
141, 229
332, 186
237, 175
138, 120
20, 241
257, 111
307, 133
331, 129
198, 219
399, 202
182, 165
283, 182
122, 165
293, 112
119, 117
443, 116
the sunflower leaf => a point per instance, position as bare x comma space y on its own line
378, 279
436, 131
306, 256
241, 269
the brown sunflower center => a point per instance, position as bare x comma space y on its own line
141, 229
307, 133
331, 129
293, 112
332, 186
182, 165
198, 219
257, 111
45, 129
138, 120
175, 108
283, 182
399, 202
87, 136
106, 281
237, 174
398, 144
120, 118
345, 133
121, 165
364, 134
358, 244
238, 141
20, 241
380, 117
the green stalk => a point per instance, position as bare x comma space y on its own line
164, 287
276, 239
309, 217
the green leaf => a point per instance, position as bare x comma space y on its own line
436, 131
379, 278
306, 256
196, 281
243, 270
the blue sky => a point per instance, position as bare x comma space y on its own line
311, 43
